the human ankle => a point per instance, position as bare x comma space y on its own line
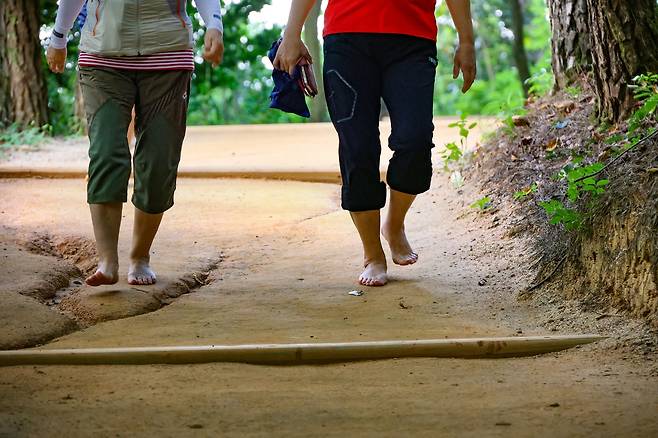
108, 266
140, 259
392, 228
374, 259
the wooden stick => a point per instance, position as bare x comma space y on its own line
293, 354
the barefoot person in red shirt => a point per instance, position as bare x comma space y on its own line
372, 51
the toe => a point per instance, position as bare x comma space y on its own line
98, 278
92, 280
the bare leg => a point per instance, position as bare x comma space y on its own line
144, 230
367, 224
393, 229
106, 219
131, 131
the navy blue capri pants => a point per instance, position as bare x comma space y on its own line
361, 69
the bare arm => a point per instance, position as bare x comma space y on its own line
460, 10
292, 48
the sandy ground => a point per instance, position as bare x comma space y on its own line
286, 259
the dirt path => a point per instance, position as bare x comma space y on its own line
248, 149
289, 259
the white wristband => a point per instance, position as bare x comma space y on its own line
58, 40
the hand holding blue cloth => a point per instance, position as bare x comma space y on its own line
287, 95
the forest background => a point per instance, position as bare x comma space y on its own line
513, 49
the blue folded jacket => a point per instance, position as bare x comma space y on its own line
287, 95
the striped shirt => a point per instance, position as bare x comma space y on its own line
178, 60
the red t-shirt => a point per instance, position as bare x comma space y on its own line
406, 17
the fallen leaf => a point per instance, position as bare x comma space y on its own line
552, 144
520, 121
565, 105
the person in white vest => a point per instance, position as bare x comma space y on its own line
133, 53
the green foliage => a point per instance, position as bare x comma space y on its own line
645, 90
575, 175
61, 87
456, 155
15, 135
540, 82
453, 153
238, 91
506, 116
526, 191
482, 204
464, 128
573, 91
580, 180
498, 86
559, 214
645, 86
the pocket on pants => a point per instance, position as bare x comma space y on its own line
341, 96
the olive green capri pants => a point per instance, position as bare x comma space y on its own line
160, 99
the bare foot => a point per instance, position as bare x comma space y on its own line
400, 249
374, 274
105, 274
140, 272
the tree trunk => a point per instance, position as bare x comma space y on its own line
570, 40
318, 104
520, 56
624, 44
22, 62
5, 97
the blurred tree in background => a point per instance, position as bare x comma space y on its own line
238, 91
319, 112
500, 84
22, 87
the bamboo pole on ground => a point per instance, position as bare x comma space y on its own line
294, 354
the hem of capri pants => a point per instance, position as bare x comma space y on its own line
360, 203
151, 210
106, 201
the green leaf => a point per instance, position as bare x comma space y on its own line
482, 203
573, 193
